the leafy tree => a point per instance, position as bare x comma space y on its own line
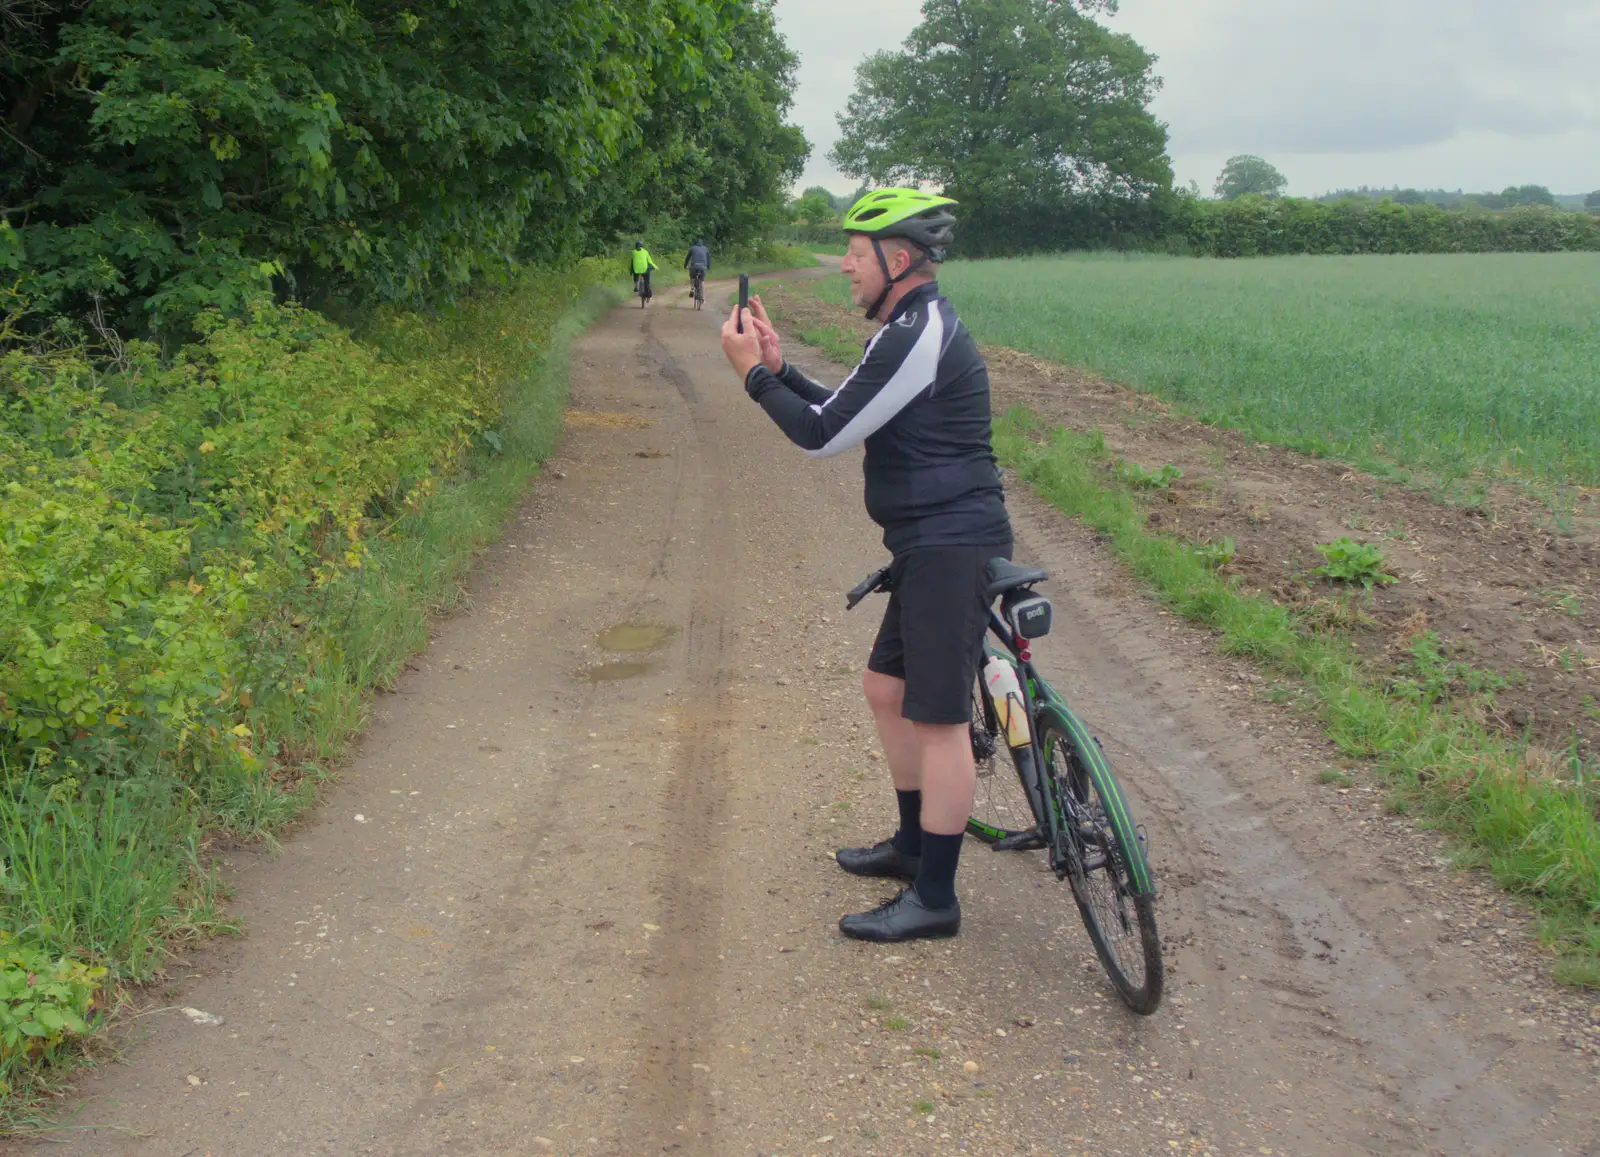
816, 207
1249, 174
168, 155
820, 191
720, 157
1527, 195
1022, 109
1592, 202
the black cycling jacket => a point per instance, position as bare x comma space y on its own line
919, 400
699, 257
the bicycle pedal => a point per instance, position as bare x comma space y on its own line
1027, 841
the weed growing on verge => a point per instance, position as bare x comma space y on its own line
1433, 678
1350, 561
1216, 555
1136, 475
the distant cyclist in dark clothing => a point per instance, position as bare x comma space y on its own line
699, 258
919, 403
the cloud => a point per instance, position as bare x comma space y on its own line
1378, 84
832, 37
1370, 74
1424, 92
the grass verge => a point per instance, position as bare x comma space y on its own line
103, 872
1529, 822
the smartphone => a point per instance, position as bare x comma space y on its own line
744, 298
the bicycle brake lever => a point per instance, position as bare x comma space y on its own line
878, 580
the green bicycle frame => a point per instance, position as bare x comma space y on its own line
1043, 703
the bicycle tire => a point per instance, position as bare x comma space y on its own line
1108, 872
1000, 807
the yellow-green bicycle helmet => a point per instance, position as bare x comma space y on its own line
924, 219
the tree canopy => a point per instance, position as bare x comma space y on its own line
1030, 112
815, 206
1246, 174
167, 155
1592, 201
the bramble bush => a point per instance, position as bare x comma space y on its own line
45, 1001
184, 549
151, 511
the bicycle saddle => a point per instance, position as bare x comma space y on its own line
1004, 575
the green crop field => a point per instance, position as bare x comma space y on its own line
1454, 364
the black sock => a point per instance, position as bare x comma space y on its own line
936, 878
908, 840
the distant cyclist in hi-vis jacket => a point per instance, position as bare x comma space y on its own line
642, 265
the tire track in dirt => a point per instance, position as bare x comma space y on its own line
674, 1108
490, 976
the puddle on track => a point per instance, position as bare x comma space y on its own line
608, 672
634, 636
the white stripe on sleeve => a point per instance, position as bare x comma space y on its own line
915, 374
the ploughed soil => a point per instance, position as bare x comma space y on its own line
1508, 585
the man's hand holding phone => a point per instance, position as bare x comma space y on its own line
753, 343
771, 346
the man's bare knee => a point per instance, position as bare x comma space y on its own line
952, 736
883, 692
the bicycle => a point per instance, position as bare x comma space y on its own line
1065, 798
697, 287
641, 286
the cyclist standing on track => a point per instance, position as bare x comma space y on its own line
919, 401
642, 265
698, 262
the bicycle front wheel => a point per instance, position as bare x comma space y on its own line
1000, 806
1105, 861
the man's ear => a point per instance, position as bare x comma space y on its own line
899, 260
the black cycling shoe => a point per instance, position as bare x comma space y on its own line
881, 859
903, 918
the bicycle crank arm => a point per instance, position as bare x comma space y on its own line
1027, 841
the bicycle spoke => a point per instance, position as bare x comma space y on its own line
999, 804
1120, 922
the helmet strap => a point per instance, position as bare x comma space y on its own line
890, 282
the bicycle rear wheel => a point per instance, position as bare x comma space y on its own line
1000, 806
1107, 870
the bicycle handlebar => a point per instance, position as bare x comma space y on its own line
878, 580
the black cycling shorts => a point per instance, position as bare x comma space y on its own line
932, 632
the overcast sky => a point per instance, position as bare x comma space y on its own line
1423, 93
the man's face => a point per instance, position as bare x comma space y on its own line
861, 266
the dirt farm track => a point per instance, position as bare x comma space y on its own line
568, 899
